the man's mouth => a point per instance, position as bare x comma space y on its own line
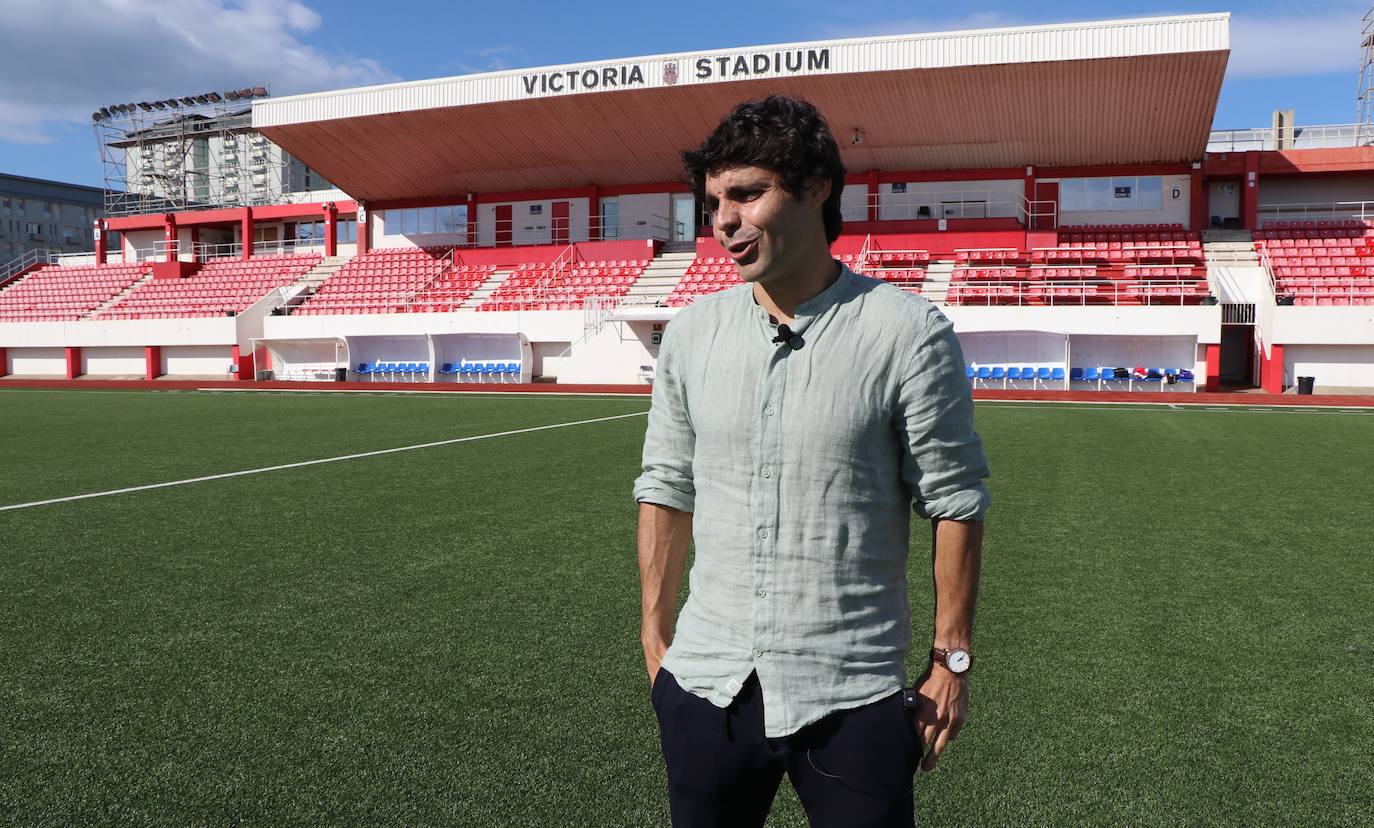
742, 250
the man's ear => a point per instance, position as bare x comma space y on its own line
819, 192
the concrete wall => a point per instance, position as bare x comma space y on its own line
527, 228
1002, 198
1315, 189
1332, 366
125, 360
644, 215
38, 361
195, 360
216, 330
1174, 208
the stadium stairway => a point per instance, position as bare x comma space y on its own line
936, 284
305, 287
118, 297
658, 280
317, 274
485, 290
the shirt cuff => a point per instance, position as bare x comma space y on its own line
653, 491
966, 504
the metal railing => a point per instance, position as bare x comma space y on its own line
539, 230
1315, 211
1332, 291
933, 205
167, 251
1040, 292
25, 261
1308, 137
443, 265
1267, 264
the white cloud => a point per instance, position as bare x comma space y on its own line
62, 59
488, 59
1279, 46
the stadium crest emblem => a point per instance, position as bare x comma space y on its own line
670, 73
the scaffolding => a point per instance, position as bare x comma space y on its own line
1364, 117
193, 153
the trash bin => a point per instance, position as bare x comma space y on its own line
341, 375
263, 376
1305, 384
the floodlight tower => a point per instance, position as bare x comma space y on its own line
1364, 119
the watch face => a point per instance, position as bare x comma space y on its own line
957, 661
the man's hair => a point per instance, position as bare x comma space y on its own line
785, 135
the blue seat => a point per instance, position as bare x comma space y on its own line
1027, 373
984, 373
971, 372
1076, 375
999, 373
513, 368
364, 368
1043, 374
489, 368
1013, 373
1057, 374
1154, 375
446, 368
422, 368
1090, 374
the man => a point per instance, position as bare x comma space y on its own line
794, 419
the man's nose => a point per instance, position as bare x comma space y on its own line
726, 219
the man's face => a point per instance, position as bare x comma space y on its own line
764, 228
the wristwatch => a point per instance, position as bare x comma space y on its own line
957, 661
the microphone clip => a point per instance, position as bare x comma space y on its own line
786, 337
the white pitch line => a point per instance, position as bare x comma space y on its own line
303, 463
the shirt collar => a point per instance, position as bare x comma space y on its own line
817, 304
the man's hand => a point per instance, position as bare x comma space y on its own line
944, 704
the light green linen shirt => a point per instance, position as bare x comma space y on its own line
800, 467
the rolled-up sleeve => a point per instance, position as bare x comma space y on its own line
669, 442
943, 462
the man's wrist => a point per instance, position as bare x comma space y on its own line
956, 661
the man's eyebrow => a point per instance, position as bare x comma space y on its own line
737, 190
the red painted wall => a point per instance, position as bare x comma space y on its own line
1271, 370
73, 363
244, 363
1212, 380
152, 362
4, 363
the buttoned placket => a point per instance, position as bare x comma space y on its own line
766, 496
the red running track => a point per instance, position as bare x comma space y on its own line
1137, 397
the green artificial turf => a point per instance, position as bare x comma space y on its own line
1176, 625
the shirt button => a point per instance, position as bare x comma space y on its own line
763, 533
757, 652
767, 471
762, 593
768, 409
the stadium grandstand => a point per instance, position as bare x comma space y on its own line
1081, 223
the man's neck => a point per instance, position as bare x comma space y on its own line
781, 298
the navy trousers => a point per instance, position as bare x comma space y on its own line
853, 768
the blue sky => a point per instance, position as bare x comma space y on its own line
60, 59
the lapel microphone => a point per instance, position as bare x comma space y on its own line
786, 337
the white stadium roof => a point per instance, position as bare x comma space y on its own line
1106, 92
